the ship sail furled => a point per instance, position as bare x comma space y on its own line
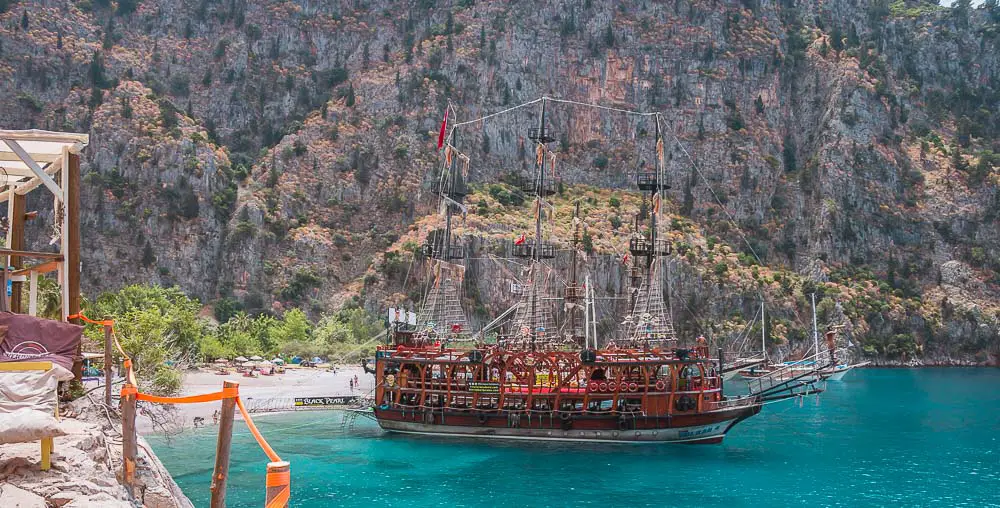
649, 323
442, 318
534, 319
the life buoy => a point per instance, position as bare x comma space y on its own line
593, 386
567, 423
603, 387
633, 387
612, 386
661, 386
622, 424
482, 419
564, 416
384, 407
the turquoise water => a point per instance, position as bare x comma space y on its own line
880, 437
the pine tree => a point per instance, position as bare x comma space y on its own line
349, 96
24, 20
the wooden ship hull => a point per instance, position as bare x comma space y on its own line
619, 397
707, 428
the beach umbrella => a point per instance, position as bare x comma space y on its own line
222, 360
248, 364
265, 363
278, 361
241, 359
317, 359
256, 358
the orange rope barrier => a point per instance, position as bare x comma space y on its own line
276, 479
256, 433
226, 393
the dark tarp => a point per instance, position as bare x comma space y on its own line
27, 338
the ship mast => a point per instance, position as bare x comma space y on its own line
539, 249
572, 293
649, 320
442, 314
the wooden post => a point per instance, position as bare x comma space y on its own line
221, 473
16, 243
71, 234
33, 293
129, 445
108, 361
278, 484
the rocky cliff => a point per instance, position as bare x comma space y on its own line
268, 154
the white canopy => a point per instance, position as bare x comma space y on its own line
256, 358
240, 359
30, 158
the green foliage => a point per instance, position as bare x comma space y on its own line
788, 154
155, 325
601, 161
616, 222
588, 242
614, 202
506, 195
226, 308
303, 281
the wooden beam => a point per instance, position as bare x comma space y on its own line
46, 136
71, 237
46, 267
39, 157
32, 254
33, 294
22, 366
34, 167
16, 243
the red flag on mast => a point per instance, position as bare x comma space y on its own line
443, 124
521, 239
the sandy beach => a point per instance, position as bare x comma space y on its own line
262, 393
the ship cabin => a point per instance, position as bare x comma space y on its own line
494, 380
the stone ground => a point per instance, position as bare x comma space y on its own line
86, 464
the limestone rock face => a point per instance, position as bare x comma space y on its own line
272, 151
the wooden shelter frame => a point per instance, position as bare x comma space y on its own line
30, 159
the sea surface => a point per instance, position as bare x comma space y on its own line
894, 437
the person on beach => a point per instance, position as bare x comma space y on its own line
215, 417
350, 383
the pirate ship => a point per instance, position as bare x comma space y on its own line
537, 382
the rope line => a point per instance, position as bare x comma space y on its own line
716, 197
498, 113
608, 108
256, 433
